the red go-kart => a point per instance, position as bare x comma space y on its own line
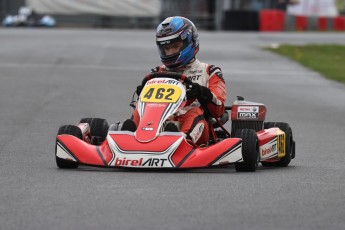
251, 140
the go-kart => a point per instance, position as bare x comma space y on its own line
27, 17
94, 143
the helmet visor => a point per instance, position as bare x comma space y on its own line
171, 47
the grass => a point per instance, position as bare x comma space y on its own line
328, 60
340, 5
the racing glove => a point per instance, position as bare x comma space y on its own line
202, 93
139, 89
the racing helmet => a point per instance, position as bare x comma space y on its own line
174, 29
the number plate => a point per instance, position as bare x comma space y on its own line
281, 143
160, 93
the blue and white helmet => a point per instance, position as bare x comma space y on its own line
174, 29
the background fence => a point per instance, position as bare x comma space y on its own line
206, 14
10, 6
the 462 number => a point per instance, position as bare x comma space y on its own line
160, 93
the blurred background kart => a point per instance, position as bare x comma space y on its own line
28, 18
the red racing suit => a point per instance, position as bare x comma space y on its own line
191, 117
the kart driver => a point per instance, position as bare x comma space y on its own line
178, 42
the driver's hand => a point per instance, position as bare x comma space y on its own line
202, 93
139, 89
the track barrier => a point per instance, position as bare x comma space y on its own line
339, 23
272, 20
277, 20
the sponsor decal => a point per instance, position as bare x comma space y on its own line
194, 78
269, 150
171, 82
248, 112
147, 128
195, 71
248, 108
197, 131
156, 105
248, 115
184, 35
165, 42
162, 81
151, 162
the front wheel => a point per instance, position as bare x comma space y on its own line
289, 144
74, 131
250, 150
98, 128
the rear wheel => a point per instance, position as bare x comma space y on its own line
285, 127
74, 131
250, 150
98, 127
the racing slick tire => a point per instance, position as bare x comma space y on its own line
74, 131
250, 150
98, 128
289, 144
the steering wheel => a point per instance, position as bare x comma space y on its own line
176, 76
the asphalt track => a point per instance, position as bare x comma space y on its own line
53, 77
